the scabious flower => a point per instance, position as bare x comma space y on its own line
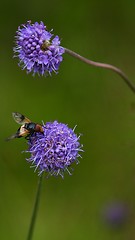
54, 150
116, 214
38, 50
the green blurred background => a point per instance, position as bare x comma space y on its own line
97, 100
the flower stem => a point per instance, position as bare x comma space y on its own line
103, 65
35, 209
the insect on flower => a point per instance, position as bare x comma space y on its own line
55, 150
38, 50
27, 129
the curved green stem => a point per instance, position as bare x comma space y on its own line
35, 209
103, 65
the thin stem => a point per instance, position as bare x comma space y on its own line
35, 209
103, 65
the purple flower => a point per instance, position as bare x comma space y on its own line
54, 150
116, 214
38, 51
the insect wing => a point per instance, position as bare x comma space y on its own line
19, 118
12, 137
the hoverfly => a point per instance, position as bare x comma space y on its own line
27, 127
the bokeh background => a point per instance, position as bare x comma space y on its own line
97, 100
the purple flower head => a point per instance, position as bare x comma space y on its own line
38, 51
54, 150
116, 214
